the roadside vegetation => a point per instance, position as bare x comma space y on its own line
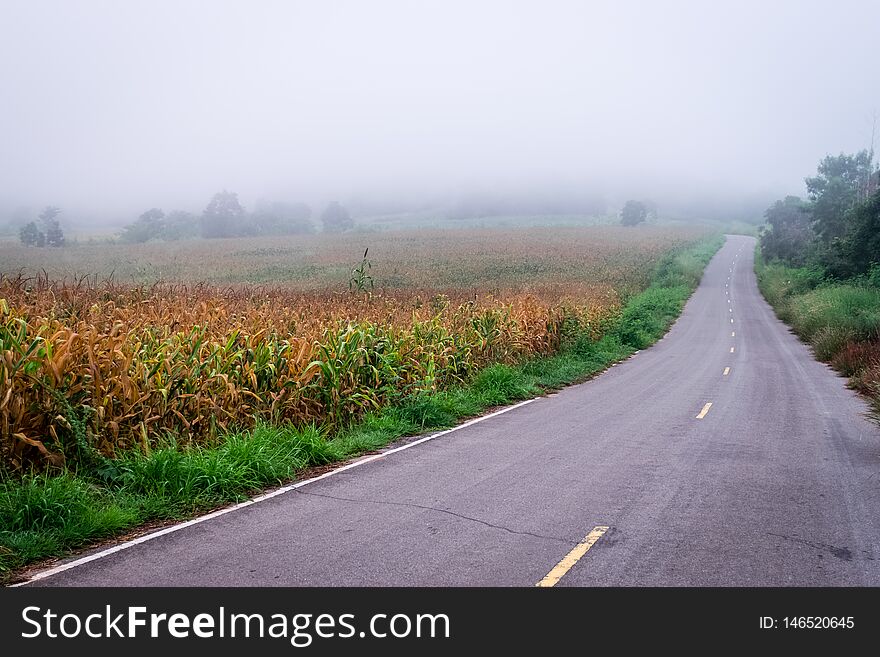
819, 267
131, 404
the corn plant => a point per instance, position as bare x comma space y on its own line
360, 280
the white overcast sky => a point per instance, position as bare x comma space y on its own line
126, 103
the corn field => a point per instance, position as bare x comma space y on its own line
107, 367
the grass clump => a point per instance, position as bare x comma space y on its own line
42, 515
238, 464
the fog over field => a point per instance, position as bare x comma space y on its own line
112, 107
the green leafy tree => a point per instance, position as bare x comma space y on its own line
180, 225
858, 251
336, 218
633, 213
149, 226
51, 226
31, 235
224, 216
835, 189
789, 236
49, 213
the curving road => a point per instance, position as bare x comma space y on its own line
613, 482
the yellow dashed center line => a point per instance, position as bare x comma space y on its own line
704, 411
726, 371
732, 349
733, 334
570, 559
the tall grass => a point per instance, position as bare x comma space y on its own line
649, 314
839, 320
815, 307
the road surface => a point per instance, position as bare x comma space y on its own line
776, 483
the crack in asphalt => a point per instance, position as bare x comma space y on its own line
446, 511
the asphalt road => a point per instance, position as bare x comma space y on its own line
778, 483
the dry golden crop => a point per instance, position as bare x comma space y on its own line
105, 366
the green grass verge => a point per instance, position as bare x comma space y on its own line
828, 315
43, 515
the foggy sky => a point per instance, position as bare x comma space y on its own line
116, 106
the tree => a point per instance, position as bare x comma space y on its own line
51, 227
149, 225
633, 213
180, 225
859, 249
54, 234
49, 213
835, 189
31, 235
224, 216
282, 218
336, 218
789, 236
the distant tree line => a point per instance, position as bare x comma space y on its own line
155, 224
837, 227
225, 216
44, 232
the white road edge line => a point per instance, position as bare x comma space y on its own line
254, 500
